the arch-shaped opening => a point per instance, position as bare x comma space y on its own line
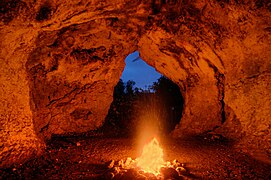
144, 98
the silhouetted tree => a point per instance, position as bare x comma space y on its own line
130, 87
120, 111
161, 102
164, 84
119, 89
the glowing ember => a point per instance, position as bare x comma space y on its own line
151, 159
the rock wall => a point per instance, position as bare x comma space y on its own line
61, 59
59, 64
219, 55
72, 75
18, 140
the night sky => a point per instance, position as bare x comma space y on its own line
139, 71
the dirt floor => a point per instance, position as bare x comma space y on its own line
86, 157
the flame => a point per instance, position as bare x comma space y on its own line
151, 159
149, 164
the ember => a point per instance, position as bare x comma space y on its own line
149, 165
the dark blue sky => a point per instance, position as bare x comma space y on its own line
139, 71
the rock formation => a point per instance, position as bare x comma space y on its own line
60, 61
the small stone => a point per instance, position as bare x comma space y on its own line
116, 170
169, 173
130, 174
111, 165
78, 144
176, 163
109, 175
120, 163
181, 170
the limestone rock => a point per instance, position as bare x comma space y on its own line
72, 76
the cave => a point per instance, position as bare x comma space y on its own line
61, 60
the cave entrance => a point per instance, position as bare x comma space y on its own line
144, 97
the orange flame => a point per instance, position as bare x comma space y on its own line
151, 159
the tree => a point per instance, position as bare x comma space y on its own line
163, 85
119, 89
130, 87
161, 104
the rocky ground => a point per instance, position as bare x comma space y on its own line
88, 157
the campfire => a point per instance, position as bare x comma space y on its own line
151, 159
149, 165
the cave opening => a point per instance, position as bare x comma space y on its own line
143, 98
